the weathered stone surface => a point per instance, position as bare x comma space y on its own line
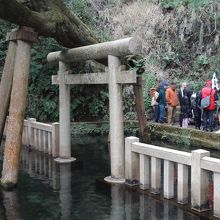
94, 78
118, 48
117, 148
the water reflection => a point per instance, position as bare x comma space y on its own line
38, 165
65, 191
11, 205
117, 202
43, 167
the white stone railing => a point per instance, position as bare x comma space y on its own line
41, 136
143, 166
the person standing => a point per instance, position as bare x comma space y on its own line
155, 105
185, 105
196, 107
208, 112
162, 101
172, 102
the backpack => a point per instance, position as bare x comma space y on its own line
205, 102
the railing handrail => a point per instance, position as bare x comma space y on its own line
162, 153
211, 164
41, 126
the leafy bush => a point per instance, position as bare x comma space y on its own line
5, 27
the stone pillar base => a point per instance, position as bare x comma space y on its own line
64, 160
110, 179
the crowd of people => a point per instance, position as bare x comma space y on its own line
199, 105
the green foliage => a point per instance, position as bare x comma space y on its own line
43, 96
83, 9
200, 63
93, 129
170, 59
137, 64
150, 81
202, 60
5, 27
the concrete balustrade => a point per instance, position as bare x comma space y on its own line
202, 166
41, 136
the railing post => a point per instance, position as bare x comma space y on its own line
132, 174
44, 142
216, 195
25, 132
49, 143
182, 184
55, 139
155, 175
35, 138
144, 172
30, 131
41, 148
199, 182
168, 185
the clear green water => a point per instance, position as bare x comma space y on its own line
47, 190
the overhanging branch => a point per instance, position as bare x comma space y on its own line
54, 20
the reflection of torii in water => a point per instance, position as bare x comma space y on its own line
215, 82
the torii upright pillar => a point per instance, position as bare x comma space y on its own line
64, 117
117, 150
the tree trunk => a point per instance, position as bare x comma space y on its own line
139, 105
17, 108
6, 83
49, 18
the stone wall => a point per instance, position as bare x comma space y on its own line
181, 136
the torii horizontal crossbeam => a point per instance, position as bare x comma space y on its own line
124, 77
118, 48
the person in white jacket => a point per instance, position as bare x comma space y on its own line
155, 105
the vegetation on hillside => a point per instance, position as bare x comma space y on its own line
180, 37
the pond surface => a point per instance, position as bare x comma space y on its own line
47, 190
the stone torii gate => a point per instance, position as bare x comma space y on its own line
114, 77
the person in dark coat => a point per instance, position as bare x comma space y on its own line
162, 101
196, 107
185, 105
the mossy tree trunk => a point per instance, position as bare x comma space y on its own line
49, 18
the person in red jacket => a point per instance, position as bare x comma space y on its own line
208, 112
